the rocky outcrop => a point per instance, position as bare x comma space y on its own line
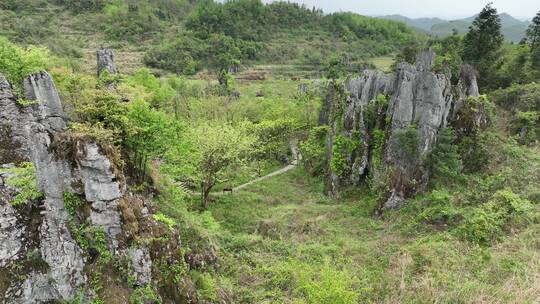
141, 266
33, 126
12, 231
45, 235
105, 62
386, 124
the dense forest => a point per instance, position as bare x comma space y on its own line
198, 151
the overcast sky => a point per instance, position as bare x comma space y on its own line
447, 9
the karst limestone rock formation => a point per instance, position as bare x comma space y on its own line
387, 124
105, 61
41, 259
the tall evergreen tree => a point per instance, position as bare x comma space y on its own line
482, 44
533, 37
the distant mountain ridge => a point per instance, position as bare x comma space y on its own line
513, 29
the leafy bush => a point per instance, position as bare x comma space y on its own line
370, 28
341, 150
17, 63
130, 22
72, 203
205, 284
408, 139
488, 222
160, 217
444, 160
527, 125
440, 209
23, 178
143, 295
181, 55
313, 150
522, 97
103, 108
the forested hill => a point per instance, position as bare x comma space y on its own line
186, 36
512, 28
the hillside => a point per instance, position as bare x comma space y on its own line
172, 36
512, 28
421, 23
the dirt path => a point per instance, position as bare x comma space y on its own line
296, 158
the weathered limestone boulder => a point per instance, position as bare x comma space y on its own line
105, 61
141, 266
386, 124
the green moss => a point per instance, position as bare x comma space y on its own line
23, 102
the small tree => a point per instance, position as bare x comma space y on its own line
223, 54
271, 140
152, 134
483, 42
533, 37
220, 151
444, 160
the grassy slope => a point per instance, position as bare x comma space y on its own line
281, 235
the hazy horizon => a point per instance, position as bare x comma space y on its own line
522, 9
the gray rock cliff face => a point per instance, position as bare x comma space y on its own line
34, 128
12, 231
392, 134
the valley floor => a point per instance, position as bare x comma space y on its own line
282, 241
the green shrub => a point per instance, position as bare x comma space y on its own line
444, 160
17, 63
143, 295
440, 209
487, 223
526, 125
378, 140
94, 238
23, 178
160, 217
129, 22
72, 203
342, 149
205, 284
313, 150
408, 139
